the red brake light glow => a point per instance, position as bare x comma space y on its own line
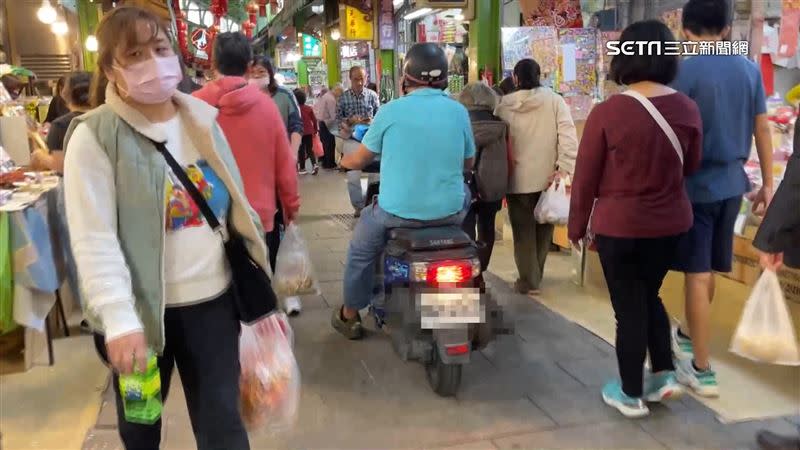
455, 350
450, 272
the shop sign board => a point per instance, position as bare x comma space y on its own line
355, 25
312, 47
386, 21
364, 6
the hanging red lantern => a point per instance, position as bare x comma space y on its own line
248, 28
252, 12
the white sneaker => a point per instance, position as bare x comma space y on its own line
702, 383
681, 347
292, 306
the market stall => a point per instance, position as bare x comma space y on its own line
32, 235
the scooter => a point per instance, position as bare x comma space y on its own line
433, 303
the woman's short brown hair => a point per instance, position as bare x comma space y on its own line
118, 28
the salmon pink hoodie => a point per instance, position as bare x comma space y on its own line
257, 136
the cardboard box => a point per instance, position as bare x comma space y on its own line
560, 237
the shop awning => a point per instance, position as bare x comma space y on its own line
285, 18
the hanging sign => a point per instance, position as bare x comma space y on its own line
312, 47
355, 26
200, 39
364, 6
386, 21
790, 28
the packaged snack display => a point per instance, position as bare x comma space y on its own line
765, 332
270, 381
294, 274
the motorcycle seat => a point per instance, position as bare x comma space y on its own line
431, 238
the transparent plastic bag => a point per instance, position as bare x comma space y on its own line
765, 332
270, 380
553, 205
294, 274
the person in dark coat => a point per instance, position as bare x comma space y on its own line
778, 242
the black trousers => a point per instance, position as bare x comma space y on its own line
329, 144
273, 238
306, 150
634, 270
481, 217
203, 341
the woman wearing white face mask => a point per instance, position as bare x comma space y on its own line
153, 274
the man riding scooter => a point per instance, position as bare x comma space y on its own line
425, 144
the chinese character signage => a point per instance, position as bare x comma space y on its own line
312, 47
386, 21
355, 25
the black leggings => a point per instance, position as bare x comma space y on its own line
203, 341
482, 215
306, 150
634, 270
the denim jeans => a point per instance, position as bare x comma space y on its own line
354, 188
369, 241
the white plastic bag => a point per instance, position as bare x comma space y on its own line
269, 383
765, 332
294, 274
553, 205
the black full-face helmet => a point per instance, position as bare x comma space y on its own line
425, 65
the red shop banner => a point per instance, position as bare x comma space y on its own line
552, 13
790, 28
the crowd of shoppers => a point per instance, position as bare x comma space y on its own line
656, 194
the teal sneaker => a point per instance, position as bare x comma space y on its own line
681, 347
662, 386
632, 408
702, 383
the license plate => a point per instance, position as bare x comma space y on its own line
450, 309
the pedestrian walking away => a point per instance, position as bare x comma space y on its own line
629, 183
544, 145
489, 179
730, 123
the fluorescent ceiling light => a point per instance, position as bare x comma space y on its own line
417, 14
398, 3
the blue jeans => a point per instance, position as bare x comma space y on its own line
369, 241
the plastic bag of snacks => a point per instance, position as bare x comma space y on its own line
553, 205
294, 274
270, 380
765, 332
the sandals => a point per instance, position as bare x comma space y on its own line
351, 329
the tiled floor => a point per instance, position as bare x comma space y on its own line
537, 388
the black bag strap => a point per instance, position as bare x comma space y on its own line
187, 183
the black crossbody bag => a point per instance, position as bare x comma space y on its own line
252, 288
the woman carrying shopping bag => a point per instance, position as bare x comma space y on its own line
154, 274
778, 242
629, 188
543, 147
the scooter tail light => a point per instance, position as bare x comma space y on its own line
456, 350
450, 272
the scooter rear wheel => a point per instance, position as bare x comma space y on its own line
443, 378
